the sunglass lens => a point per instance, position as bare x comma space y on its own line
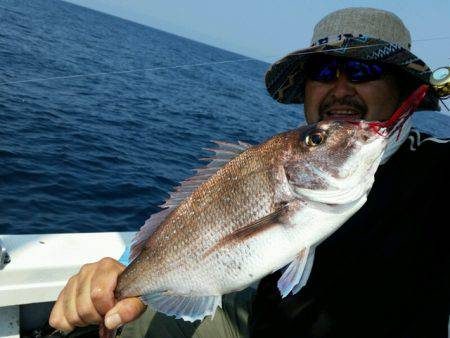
322, 71
326, 70
358, 71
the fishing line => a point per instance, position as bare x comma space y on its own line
159, 68
187, 65
430, 39
128, 71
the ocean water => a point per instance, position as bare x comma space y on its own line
101, 152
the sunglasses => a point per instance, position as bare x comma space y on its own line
329, 69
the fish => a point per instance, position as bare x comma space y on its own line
254, 210
250, 212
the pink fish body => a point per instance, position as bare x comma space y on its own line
252, 211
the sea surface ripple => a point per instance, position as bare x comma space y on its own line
101, 152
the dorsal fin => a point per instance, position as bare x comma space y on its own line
224, 153
146, 231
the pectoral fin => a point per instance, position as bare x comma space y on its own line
297, 273
251, 229
257, 226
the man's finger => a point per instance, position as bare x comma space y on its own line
103, 283
57, 319
70, 303
124, 312
85, 308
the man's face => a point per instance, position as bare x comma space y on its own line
341, 99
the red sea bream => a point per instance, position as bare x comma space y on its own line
252, 211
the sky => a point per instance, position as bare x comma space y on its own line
268, 29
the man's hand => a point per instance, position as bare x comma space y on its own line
88, 297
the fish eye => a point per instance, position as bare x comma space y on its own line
315, 138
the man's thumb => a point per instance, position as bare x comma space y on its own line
123, 312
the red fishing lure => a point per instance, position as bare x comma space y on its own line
408, 107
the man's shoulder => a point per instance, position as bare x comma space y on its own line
426, 148
422, 161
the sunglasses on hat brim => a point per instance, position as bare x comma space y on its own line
327, 69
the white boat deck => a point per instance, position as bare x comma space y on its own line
41, 265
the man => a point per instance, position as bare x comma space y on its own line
384, 273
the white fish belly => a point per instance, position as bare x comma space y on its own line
238, 264
234, 266
318, 221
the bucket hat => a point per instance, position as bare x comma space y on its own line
359, 33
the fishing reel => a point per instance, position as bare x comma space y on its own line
440, 80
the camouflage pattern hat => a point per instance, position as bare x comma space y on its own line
358, 33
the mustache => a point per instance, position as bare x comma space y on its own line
345, 101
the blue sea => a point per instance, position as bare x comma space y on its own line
101, 117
